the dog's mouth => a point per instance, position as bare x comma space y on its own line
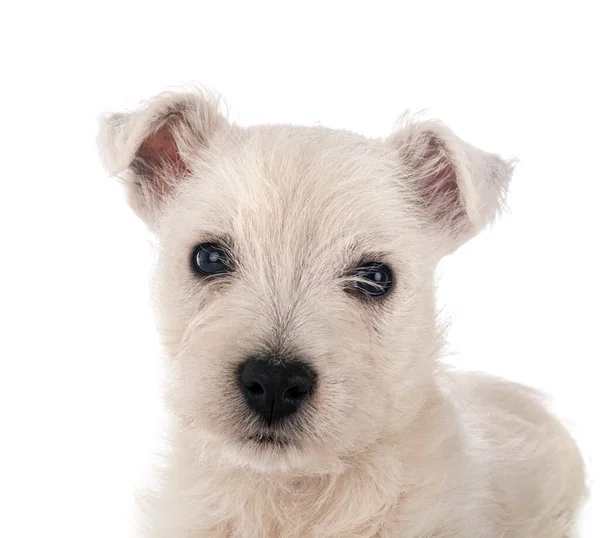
281, 435
269, 439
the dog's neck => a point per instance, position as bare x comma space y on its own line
232, 500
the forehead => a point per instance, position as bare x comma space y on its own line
280, 184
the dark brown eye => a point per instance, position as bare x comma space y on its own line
372, 279
211, 259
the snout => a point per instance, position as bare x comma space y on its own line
276, 388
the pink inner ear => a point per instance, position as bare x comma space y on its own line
158, 157
161, 145
441, 191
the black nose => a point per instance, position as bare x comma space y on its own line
276, 388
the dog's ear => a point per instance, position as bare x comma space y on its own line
154, 148
459, 188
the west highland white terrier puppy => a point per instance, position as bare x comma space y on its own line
294, 293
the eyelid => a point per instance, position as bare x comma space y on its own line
372, 258
201, 237
357, 256
222, 241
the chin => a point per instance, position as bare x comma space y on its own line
266, 453
271, 454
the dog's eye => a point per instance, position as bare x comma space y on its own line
211, 259
372, 279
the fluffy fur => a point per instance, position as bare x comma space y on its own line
393, 444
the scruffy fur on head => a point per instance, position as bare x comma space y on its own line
391, 443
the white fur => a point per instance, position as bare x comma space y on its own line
394, 444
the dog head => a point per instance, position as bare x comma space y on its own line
294, 282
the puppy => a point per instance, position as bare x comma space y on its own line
294, 293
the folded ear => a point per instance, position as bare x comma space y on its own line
154, 148
460, 188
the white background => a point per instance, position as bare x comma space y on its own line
79, 360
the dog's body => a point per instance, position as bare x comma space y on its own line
295, 300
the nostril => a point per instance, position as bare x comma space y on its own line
295, 394
254, 387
